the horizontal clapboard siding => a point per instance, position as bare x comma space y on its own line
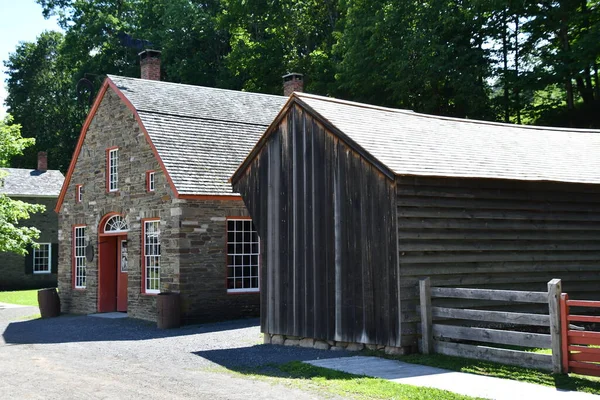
326, 218
495, 234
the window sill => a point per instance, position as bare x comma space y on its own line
242, 291
42, 272
150, 294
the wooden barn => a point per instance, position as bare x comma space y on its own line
354, 203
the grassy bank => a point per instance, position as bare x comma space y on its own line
22, 297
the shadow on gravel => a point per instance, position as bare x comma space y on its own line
68, 329
245, 359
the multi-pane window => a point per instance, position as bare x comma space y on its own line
243, 248
113, 175
79, 256
152, 256
150, 181
42, 257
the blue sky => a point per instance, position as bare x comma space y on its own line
20, 21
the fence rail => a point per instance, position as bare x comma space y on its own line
578, 356
444, 338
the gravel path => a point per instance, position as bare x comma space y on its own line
11, 312
84, 357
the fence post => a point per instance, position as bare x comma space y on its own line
564, 331
554, 291
425, 295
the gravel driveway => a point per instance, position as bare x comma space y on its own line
85, 357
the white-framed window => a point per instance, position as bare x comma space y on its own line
79, 194
150, 179
243, 249
42, 258
151, 256
113, 174
79, 273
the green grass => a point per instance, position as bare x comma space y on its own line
345, 384
22, 297
574, 382
324, 380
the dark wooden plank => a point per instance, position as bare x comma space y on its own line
548, 225
328, 214
494, 204
491, 336
299, 204
485, 294
455, 188
287, 228
503, 356
492, 214
441, 235
492, 316
369, 260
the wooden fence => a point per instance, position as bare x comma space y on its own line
445, 338
578, 357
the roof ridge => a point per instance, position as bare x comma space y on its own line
194, 86
444, 118
29, 169
139, 110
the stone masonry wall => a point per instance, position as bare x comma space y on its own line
331, 344
115, 125
203, 263
12, 265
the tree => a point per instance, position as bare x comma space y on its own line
271, 38
426, 56
14, 238
42, 98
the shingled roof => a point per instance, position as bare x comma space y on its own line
410, 143
201, 134
31, 182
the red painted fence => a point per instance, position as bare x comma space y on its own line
577, 355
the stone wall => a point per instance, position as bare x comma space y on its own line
331, 344
12, 266
115, 125
203, 263
193, 232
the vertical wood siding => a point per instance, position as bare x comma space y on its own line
496, 234
328, 252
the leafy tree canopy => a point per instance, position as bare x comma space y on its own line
14, 238
505, 60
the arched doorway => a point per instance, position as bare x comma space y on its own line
112, 263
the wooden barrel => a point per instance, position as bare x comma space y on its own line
49, 303
169, 310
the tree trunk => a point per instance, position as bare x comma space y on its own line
516, 85
505, 70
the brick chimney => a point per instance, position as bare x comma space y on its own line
293, 82
150, 64
42, 161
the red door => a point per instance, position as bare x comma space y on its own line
122, 274
107, 285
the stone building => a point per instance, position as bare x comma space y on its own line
38, 268
146, 206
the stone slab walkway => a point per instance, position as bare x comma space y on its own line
457, 382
